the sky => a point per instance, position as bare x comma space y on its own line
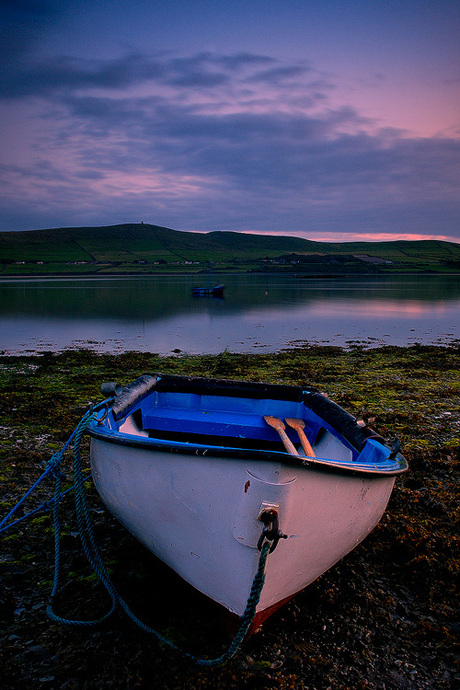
324, 119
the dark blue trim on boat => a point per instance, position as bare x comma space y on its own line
387, 468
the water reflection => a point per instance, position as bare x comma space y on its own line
159, 314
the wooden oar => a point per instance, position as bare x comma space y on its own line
298, 425
278, 425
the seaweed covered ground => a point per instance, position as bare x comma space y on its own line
385, 617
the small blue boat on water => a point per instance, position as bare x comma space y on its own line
216, 291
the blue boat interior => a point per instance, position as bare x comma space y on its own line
179, 413
225, 421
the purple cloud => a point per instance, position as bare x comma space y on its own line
215, 141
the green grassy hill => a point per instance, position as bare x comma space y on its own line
144, 248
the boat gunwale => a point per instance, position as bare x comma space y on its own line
238, 454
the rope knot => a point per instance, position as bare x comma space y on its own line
54, 464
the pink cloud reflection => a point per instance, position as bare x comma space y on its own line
382, 309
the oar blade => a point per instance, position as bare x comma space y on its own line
274, 422
277, 424
299, 425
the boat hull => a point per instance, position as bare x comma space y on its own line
199, 515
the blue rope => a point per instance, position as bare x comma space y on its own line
3, 528
43, 507
52, 466
95, 559
81, 508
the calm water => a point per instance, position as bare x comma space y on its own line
258, 313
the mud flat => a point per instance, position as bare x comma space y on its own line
386, 616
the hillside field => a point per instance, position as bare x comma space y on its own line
144, 248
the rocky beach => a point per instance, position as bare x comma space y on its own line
385, 617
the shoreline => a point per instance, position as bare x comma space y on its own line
217, 273
370, 345
384, 616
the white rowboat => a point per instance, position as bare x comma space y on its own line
195, 468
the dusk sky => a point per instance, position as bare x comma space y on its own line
329, 120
